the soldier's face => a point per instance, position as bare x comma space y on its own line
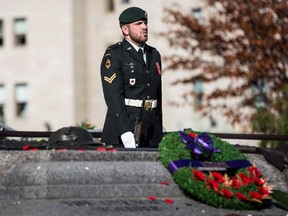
137, 32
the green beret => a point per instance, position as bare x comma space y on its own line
132, 14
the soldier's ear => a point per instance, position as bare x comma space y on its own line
125, 30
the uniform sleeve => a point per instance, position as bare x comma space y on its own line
112, 83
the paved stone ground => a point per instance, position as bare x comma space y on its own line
68, 183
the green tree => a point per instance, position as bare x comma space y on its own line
273, 120
241, 49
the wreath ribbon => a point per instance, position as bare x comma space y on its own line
227, 166
196, 142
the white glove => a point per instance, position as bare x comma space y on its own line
128, 140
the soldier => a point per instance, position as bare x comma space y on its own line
131, 81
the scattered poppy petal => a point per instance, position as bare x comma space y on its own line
164, 183
26, 147
170, 201
153, 198
112, 150
61, 149
101, 149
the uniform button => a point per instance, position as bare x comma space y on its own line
148, 97
117, 114
132, 71
147, 71
148, 84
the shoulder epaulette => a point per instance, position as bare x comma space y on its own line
114, 46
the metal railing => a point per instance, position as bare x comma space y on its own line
43, 134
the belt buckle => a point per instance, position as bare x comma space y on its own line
148, 105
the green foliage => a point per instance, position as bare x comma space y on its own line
273, 119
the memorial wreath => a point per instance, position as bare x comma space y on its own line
213, 171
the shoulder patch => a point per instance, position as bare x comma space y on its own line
108, 64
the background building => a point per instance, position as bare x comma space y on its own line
50, 55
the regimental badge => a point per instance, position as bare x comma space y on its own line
110, 79
132, 81
108, 64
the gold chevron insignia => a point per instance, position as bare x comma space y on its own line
110, 79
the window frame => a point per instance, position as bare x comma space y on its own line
21, 105
20, 40
1, 33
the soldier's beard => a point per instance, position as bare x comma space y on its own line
138, 39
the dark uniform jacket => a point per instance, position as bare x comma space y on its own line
124, 74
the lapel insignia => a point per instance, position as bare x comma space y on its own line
108, 64
131, 65
132, 81
110, 79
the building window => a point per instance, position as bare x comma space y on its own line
2, 103
1, 33
198, 91
260, 89
20, 32
110, 6
21, 98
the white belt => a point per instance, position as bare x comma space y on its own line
149, 104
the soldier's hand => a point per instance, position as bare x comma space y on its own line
128, 140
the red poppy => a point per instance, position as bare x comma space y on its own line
245, 180
254, 171
112, 150
235, 183
153, 198
26, 147
257, 181
101, 149
227, 193
213, 184
240, 196
198, 175
218, 177
263, 191
170, 201
255, 195
193, 135
61, 149
164, 183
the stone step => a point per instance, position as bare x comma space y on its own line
87, 179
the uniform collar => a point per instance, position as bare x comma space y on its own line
135, 46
